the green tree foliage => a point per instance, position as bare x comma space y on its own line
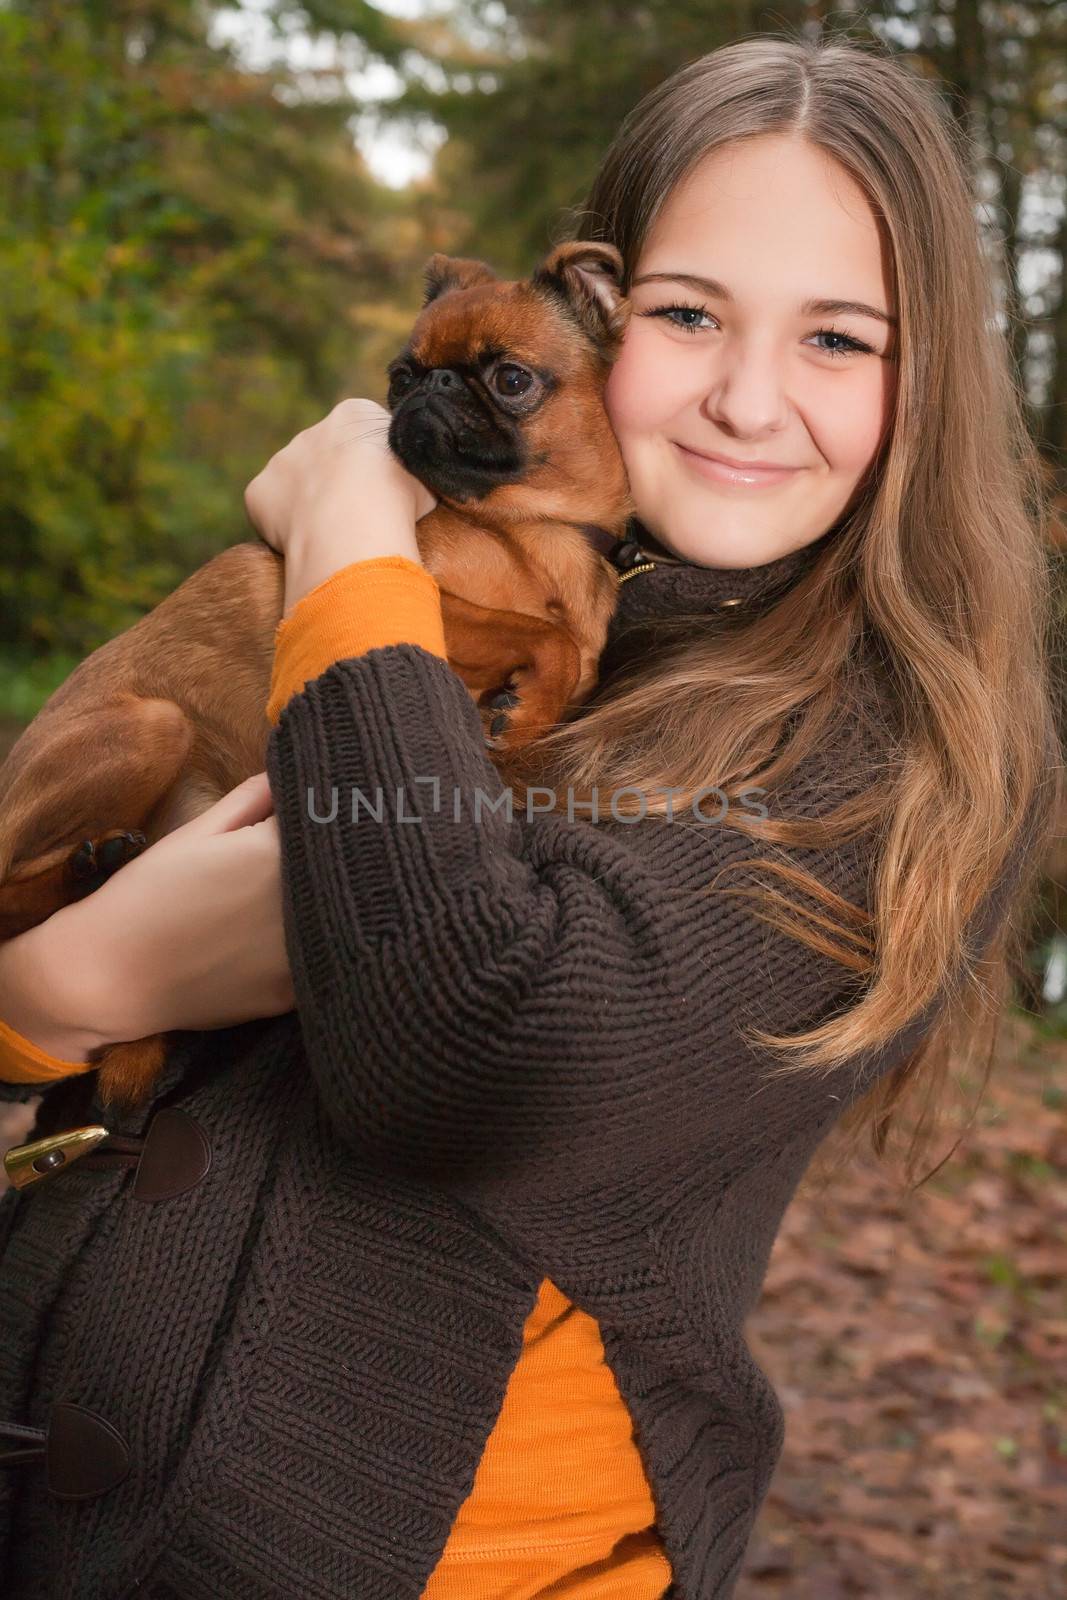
184, 248
531, 91
195, 262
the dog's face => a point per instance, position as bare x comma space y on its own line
497, 396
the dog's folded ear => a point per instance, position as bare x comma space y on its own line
587, 275
442, 273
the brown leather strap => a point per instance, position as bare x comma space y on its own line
29, 1445
623, 553
114, 1151
19, 1431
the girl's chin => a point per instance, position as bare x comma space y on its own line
722, 551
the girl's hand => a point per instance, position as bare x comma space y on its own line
189, 934
337, 494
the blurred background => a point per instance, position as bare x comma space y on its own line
213, 222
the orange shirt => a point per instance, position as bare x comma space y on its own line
560, 1505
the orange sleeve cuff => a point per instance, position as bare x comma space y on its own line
387, 600
21, 1061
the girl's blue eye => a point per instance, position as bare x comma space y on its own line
847, 345
668, 311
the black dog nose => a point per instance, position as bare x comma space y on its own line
440, 378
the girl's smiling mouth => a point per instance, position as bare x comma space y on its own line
718, 470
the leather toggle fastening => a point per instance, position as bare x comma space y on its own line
83, 1454
172, 1157
176, 1156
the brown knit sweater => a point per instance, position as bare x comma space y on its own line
516, 1054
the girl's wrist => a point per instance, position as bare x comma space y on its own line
313, 557
43, 987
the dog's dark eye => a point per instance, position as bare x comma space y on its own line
508, 379
401, 380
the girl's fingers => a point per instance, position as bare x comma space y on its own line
250, 802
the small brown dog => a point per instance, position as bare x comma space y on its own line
496, 406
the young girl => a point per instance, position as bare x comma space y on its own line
436, 1285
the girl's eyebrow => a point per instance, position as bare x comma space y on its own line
712, 286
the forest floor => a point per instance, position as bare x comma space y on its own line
918, 1343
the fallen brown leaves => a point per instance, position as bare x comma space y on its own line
919, 1345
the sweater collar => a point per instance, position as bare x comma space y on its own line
675, 586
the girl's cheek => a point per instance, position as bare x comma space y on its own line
620, 393
844, 418
637, 391
860, 441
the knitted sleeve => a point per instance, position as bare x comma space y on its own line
364, 604
486, 994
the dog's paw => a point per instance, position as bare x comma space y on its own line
93, 862
500, 704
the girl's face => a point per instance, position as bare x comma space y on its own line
724, 357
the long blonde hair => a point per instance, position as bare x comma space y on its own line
940, 568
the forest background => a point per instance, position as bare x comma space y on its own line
213, 223
214, 218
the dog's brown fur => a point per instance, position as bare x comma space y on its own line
159, 723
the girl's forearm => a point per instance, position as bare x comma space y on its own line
45, 987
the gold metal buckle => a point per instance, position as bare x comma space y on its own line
631, 572
29, 1163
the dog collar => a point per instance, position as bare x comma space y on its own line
624, 554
